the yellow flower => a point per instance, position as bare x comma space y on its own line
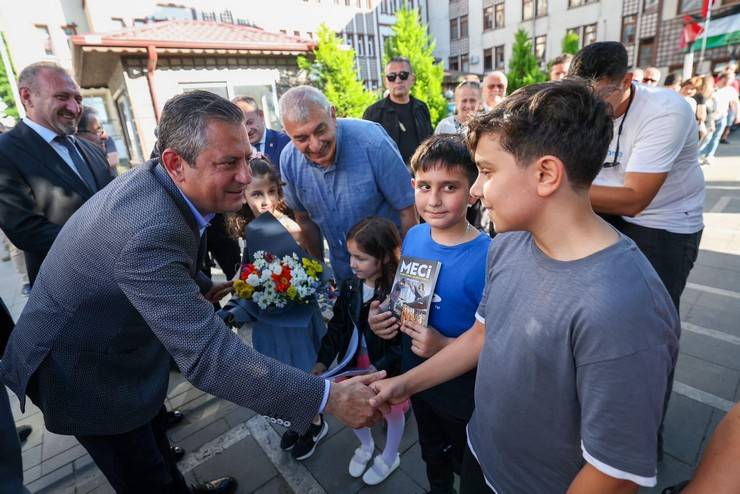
312, 267
292, 293
243, 290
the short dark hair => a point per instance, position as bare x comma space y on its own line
87, 114
247, 100
446, 151
564, 118
563, 58
672, 79
400, 60
379, 237
604, 59
185, 118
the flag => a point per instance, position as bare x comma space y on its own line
722, 31
705, 6
691, 30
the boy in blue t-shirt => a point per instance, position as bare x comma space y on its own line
575, 336
444, 172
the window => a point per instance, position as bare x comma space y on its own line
499, 15
629, 25
454, 64
488, 59
346, 2
540, 47
370, 45
464, 62
577, 3
453, 29
463, 26
689, 5
589, 34
498, 57
208, 16
647, 52
227, 17
119, 20
142, 21
361, 45
488, 18
541, 8
42, 31
297, 34
70, 29
650, 5
351, 40
527, 9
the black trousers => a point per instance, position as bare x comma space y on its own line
139, 461
442, 439
472, 480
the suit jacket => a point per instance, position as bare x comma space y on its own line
115, 297
39, 191
274, 143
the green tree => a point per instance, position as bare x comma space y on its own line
333, 71
571, 43
524, 69
6, 92
410, 40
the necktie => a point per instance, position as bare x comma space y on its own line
82, 169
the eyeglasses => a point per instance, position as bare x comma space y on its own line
401, 75
499, 86
94, 132
647, 80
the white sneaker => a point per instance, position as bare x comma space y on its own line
380, 471
358, 463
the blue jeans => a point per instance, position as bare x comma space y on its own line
709, 147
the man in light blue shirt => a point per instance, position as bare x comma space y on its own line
337, 172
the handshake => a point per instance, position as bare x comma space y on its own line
363, 400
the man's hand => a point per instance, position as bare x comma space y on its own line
392, 391
318, 369
349, 401
425, 340
219, 291
383, 324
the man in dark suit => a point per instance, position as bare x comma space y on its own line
266, 141
45, 173
120, 291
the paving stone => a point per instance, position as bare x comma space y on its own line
91, 480
64, 458
710, 350
414, 466
188, 399
688, 299
103, 489
36, 421
397, 482
244, 461
715, 277
275, 486
670, 472
717, 416
707, 376
60, 478
329, 463
718, 259
238, 416
718, 312
197, 439
685, 425
31, 474
83, 462
193, 421
31, 457
56, 443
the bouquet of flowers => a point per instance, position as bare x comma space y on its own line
271, 282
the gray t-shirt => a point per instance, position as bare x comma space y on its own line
574, 366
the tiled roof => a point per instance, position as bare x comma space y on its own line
197, 34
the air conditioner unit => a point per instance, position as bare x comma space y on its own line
474, 60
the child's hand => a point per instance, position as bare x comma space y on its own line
425, 340
318, 369
392, 391
383, 324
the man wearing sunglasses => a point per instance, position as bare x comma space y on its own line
651, 77
404, 118
494, 89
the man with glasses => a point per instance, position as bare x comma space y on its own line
651, 77
494, 89
651, 185
404, 118
89, 128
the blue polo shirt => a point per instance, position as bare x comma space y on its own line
367, 178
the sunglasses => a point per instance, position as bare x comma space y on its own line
499, 86
401, 75
647, 80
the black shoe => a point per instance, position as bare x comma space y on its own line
307, 443
724, 141
174, 417
23, 432
288, 440
224, 485
177, 453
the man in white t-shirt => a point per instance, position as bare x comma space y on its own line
725, 98
651, 186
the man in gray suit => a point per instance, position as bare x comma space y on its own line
120, 291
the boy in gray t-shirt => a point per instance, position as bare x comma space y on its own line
576, 335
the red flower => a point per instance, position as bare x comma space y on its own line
282, 280
247, 269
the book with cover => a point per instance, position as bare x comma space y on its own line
413, 289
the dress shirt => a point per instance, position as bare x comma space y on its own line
49, 136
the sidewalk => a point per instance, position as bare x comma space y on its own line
224, 439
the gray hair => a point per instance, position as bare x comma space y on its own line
401, 60
184, 122
247, 100
297, 102
29, 75
498, 74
